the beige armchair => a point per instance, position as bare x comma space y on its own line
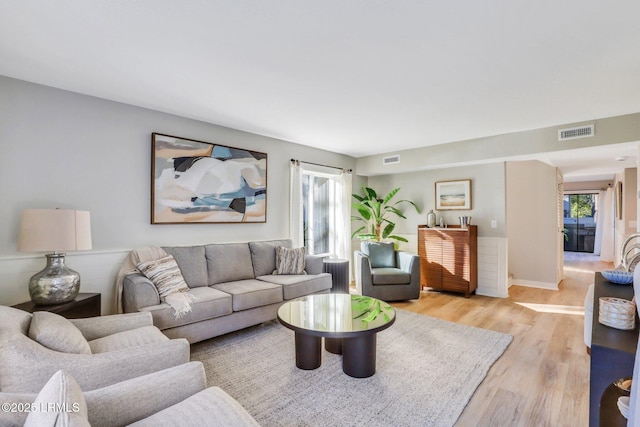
387, 274
176, 396
97, 352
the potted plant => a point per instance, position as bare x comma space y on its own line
374, 212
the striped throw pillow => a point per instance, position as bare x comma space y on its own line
290, 261
165, 274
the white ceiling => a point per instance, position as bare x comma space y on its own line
357, 77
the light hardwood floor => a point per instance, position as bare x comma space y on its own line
542, 379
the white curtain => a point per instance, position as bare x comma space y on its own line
296, 233
343, 217
604, 240
341, 206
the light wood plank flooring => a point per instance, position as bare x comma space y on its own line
543, 377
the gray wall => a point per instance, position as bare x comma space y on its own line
487, 189
62, 149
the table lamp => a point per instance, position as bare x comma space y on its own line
54, 230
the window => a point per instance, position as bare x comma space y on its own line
319, 214
321, 209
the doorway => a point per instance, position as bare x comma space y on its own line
579, 222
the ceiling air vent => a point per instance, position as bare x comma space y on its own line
575, 133
390, 160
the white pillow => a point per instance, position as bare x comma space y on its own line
57, 333
290, 261
60, 403
165, 274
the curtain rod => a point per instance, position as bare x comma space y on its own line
324, 166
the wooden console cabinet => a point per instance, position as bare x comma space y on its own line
449, 258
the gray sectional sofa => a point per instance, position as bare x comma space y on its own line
233, 285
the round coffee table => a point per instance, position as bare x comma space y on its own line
348, 323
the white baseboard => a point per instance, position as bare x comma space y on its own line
533, 284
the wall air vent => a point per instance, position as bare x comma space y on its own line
390, 160
575, 133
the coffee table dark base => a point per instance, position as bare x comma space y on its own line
358, 353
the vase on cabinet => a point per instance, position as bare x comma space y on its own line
431, 219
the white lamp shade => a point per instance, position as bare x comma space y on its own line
54, 230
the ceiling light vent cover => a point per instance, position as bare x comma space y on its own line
390, 160
575, 133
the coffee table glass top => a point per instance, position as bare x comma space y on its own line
337, 313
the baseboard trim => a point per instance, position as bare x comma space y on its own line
533, 284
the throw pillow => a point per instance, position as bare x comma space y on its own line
165, 274
60, 403
57, 333
381, 255
290, 261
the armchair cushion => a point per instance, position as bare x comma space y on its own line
390, 276
126, 339
381, 255
98, 327
290, 261
57, 333
60, 403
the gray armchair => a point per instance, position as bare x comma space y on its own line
176, 396
387, 274
97, 352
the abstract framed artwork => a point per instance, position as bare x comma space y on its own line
453, 195
202, 182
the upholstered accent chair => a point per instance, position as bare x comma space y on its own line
177, 396
387, 274
97, 351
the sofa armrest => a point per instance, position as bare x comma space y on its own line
135, 399
314, 264
27, 366
138, 292
10, 418
98, 327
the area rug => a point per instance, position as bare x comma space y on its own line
427, 370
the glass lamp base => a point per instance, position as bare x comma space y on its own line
56, 284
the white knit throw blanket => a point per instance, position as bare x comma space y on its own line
179, 301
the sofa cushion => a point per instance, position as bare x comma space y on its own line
209, 303
290, 261
60, 403
228, 262
380, 254
211, 406
165, 275
127, 339
263, 255
294, 286
192, 263
251, 293
390, 276
57, 333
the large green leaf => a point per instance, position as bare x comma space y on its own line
390, 195
371, 193
401, 239
388, 230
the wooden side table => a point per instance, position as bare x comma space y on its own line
84, 305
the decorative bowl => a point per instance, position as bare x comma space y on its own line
618, 276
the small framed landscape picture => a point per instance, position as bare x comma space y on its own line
453, 195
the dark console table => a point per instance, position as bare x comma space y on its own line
84, 305
612, 357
